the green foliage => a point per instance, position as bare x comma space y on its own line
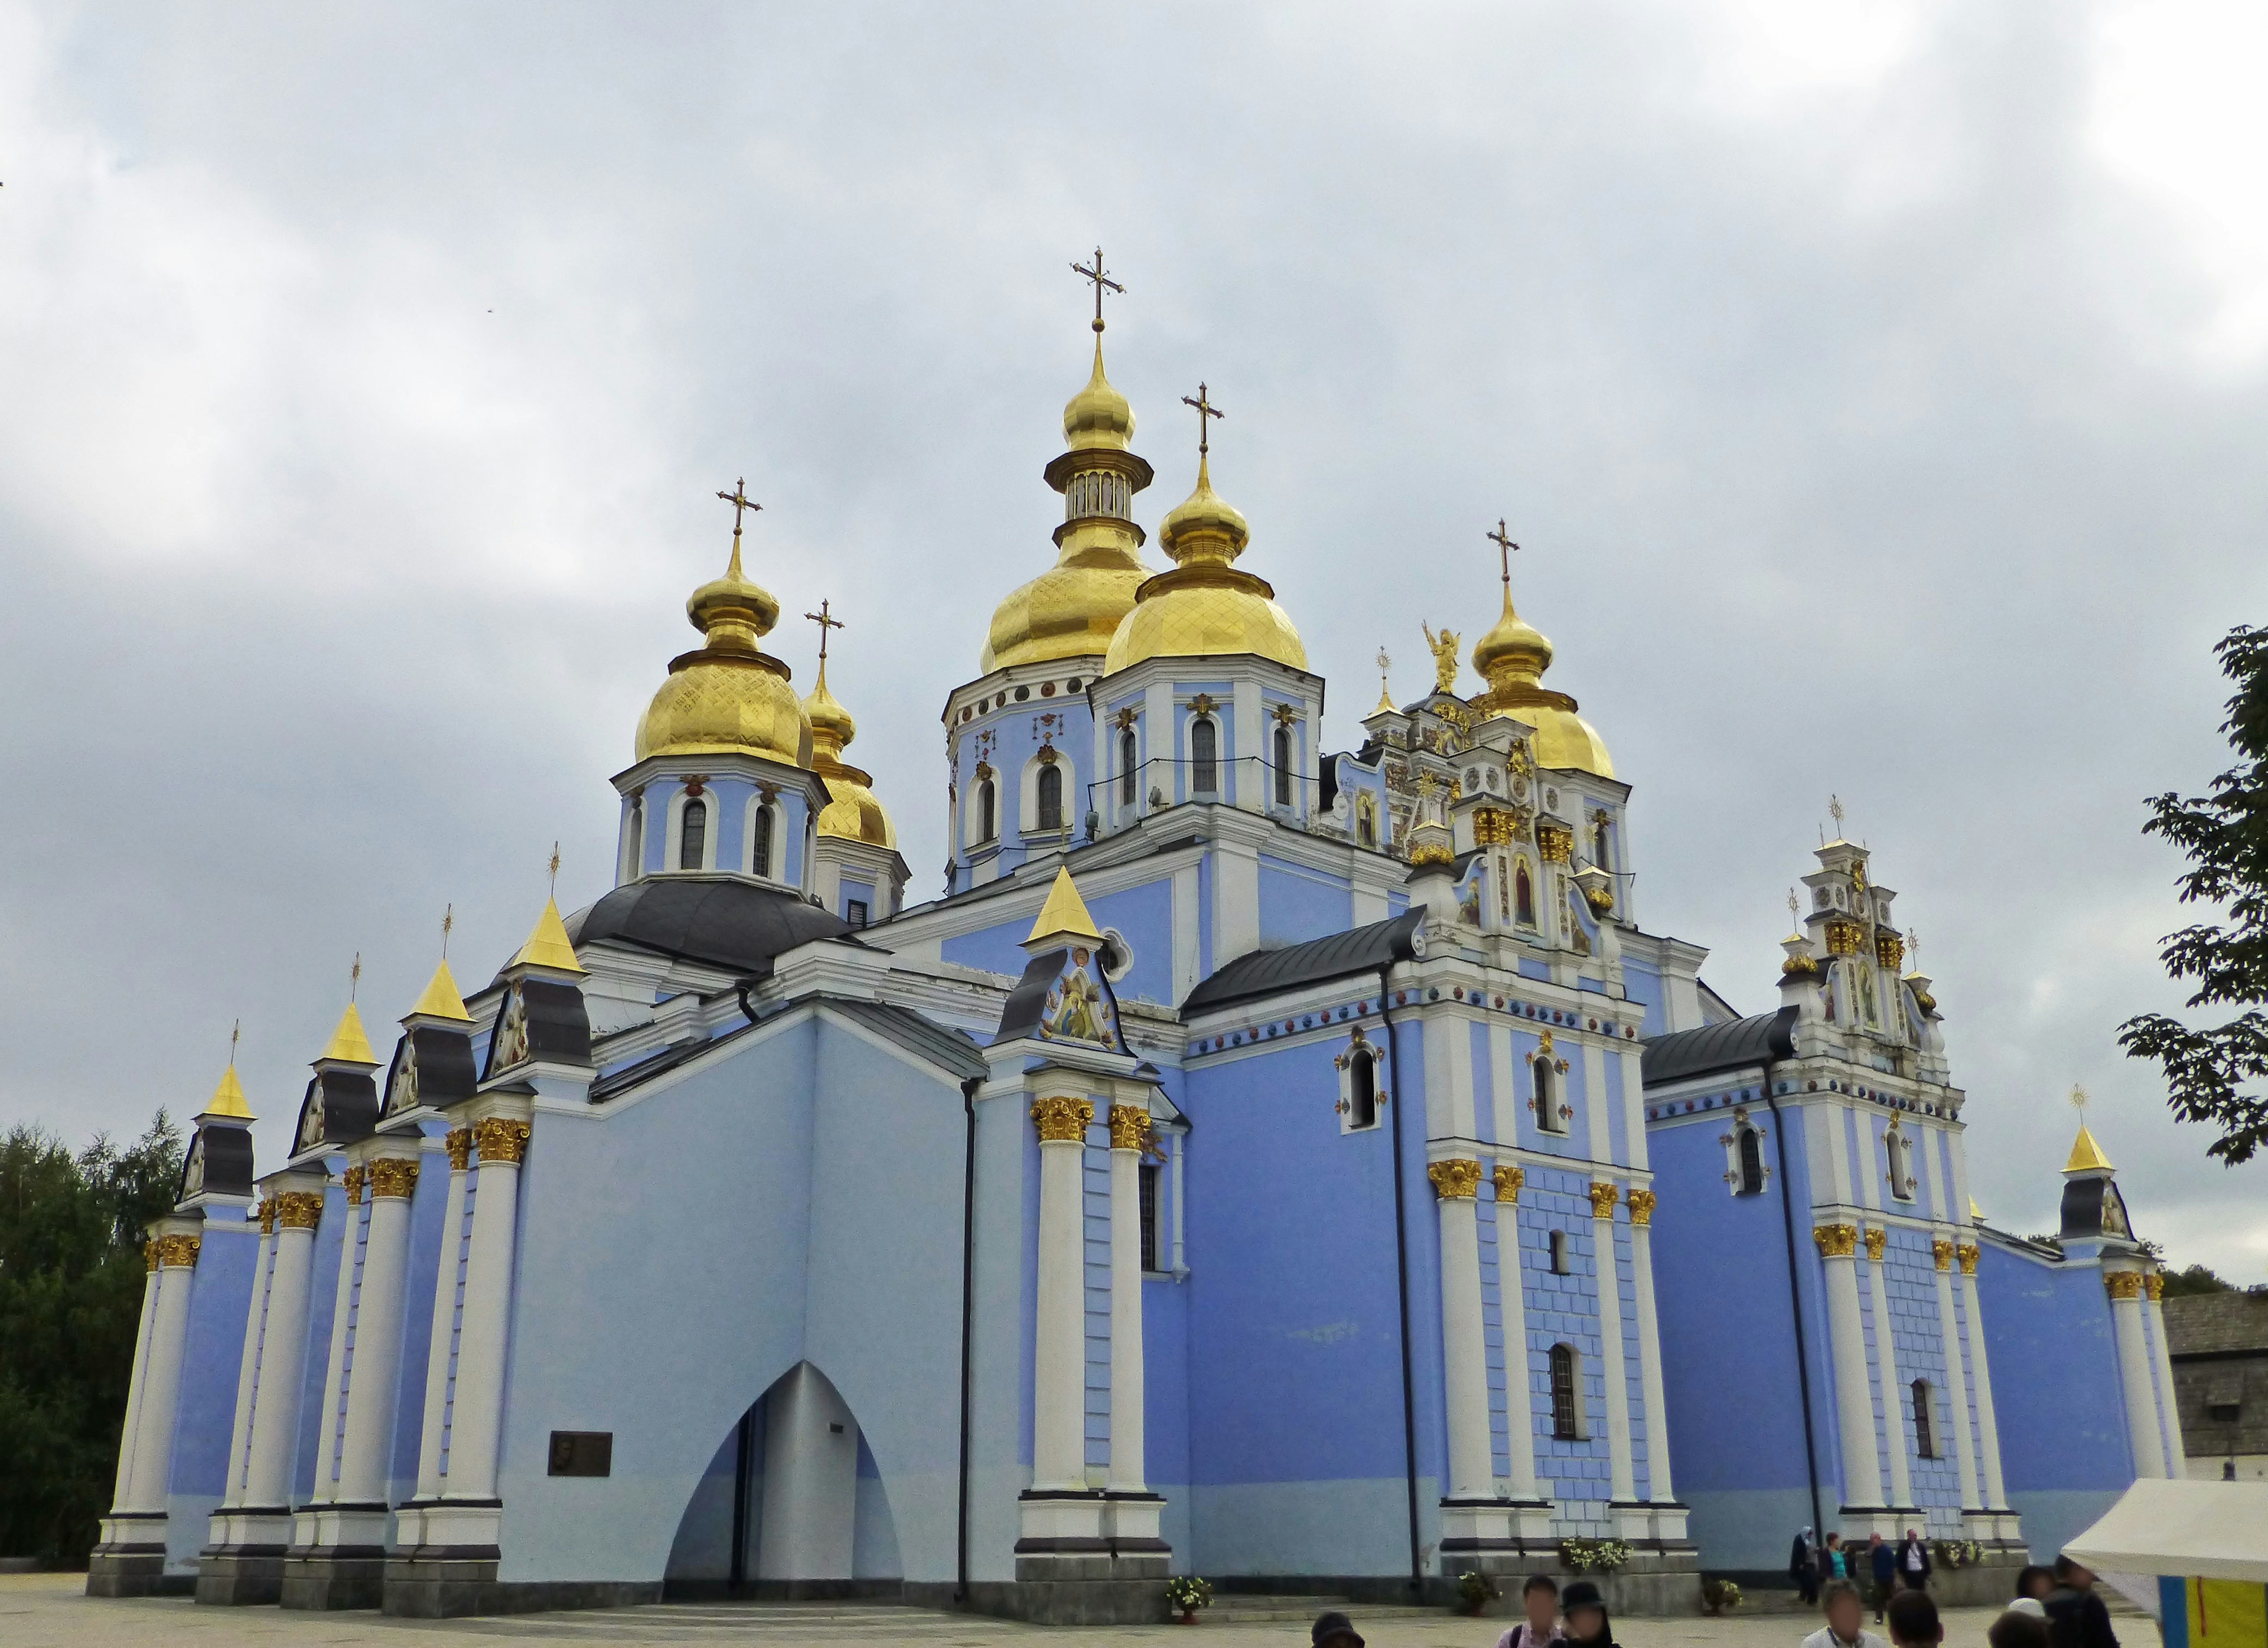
1188, 1594
1594, 1555
1475, 1591
2225, 835
71, 1272
2195, 1279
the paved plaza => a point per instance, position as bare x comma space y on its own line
48, 1611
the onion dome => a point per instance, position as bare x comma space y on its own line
1512, 658
1071, 609
728, 697
852, 812
1204, 607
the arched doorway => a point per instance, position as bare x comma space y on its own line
791, 1505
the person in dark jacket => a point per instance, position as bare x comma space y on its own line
1882, 1567
1334, 1630
2077, 1617
1914, 1562
1803, 1568
1585, 1611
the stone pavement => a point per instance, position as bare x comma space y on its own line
49, 1611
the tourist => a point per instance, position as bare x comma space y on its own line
1334, 1630
2076, 1616
1587, 1624
1803, 1568
1914, 1562
2032, 1585
1540, 1597
1834, 1563
1913, 1621
1882, 1569
2024, 1625
1843, 1613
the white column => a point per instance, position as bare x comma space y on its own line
1512, 1309
274, 1444
1130, 1131
1956, 1385
444, 1315
477, 1411
366, 1452
1895, 1397
1059, 1351
1623, 1479
2177, 1461
1854, 1407
326, 1416
247, 1373
161, 1379
140, 1377
1649, 1348
1464, 1343
1988, 1427
2125, 1287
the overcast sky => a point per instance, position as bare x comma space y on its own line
1877, 393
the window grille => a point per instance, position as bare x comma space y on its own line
1127, 763
1204, 756
1050, 788
760, 854
1565, 1412
1150, 1260
1752, 1162
693, 836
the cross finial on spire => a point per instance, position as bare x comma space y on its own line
555, 869
1385, 664
448, 922
1205, 409
1100, 276
1913, 947
826, 620
354, 979
1834, 811
1794, 906
739, 498
234, 1031
1505, 547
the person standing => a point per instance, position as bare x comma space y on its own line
1803, 1568
1540, 1598
2077, 1617
1843, 1629
1587, 1624
1913, 1621
1914, 1562
1833, 1564
1883, 1568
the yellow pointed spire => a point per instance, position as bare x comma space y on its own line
442, 999
228, 1098
1975, 1213
348, 1043
1065, 915
2085, 1155
547, 946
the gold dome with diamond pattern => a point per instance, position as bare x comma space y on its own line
852, 812
728, 697
1205, 606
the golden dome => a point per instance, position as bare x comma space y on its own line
1512, 658
1204, 607
1098, 416
852, 812
728, 697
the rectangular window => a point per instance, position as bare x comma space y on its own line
1151, 1259
1566, 1411
855, 912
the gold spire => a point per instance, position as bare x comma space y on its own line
1386, 704
853, 812
441, 999
349, 1044
1512, 658
1065, 915
228, 1098
547, 946
2085, 1155
1975, 1213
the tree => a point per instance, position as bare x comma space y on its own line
2196, 1278
71, 1274
2225, 835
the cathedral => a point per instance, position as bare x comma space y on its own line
1297, 1167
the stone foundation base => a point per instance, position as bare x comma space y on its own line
342, 1576
240, 1577
428, 1587
134, 1571
1079, 1590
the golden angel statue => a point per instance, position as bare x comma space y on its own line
1445, 657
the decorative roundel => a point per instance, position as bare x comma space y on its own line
1551, 799
1047, 689
1022, 693
1116, 955
1071, 684
1519, 789
1472, 778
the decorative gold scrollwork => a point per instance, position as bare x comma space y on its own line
1641, 1207
1836, 1241
1455, 1179
1130, 1128
1062, 1120
299, 1210
1877, 1238
352, 1180
1940, 1250
179, 1252
459, 1144
391, 1177
1508, 1181
1966, 1252
2123, 1285
1604, 1194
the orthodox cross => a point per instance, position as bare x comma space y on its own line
1505, 547
1834, 811
1100, 276
826, 620
1794, 907
448, 922
555, 868
1205, 409
1384, 665
739, 498
234, 1031
354, 979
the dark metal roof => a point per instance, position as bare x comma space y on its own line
1270, 972
725, 921
1737, 1044
948, 1049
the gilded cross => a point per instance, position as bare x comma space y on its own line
1794, 907
555, 868
1384, 665
354, 978
739, 498
1100, 276
448, 922
826, 620
1834, 811
1505, 547
234, 1031
1205, 409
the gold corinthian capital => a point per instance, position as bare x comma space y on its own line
1941, 1252
1877, 1238
2123, 1285
1063, 1120
1129, 1127
352, 1180
1604, 1194
459, 1144
1641, 1207
178, 1252
2153, 1287
502, 1140
1836, 1241
299, 1210
392, 1177
1967, 1254
1508, 1181
1455, 1179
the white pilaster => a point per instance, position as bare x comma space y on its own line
325, 1488
1980, 1369
161, 1387
476, 1411
1130, 1131
2177, 1463
272, 1447
460, 1145
1185, 951
248, 1373
1464, 1344
2125, 1288
1957, 1383
366, 1448
123, 1487
1059, 1353
1895, 1397
1668, 1518
1854, 1407
1622, 1475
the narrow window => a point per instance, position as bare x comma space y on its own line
986, 824
1558, 1245
854, 911
1150, 1260
1050, 798
636, 833
1283, 766
1564, 1413
1127, 763
1752, 1162
1900, 1154
1599, 847
760, 853
1204, 756
1547, 1097
1524, 895
693, 836
1362, 1088
1924, 1436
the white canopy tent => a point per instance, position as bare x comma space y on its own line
2201, 1530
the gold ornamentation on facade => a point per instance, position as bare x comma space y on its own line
1844, 937
267, 1216
1555, 842
460, 1143
1601, 898
502, 1140
352, 1180
1940, 1250
1205, 704
1062, 1120
179, 1252
299, 1210
1889, 949
149, 1255
1967, 1254
1604, 1195
1499, 827
390, 1176
1455, 1179
1877, 1238
2123, 1285
1431, 852
1508, 1181
1641, 1207
1836, 1241
2153, 1287
1130, 1128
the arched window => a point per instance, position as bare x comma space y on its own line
1567, 1404
1558, 1248
634, 838
1363, 1073
1924, 1431
759, 854
693, 836
1524, 895
1547, 1096
1204, 756
1599, 845
988, 819
1050, 788
1899, 1148
1128, 761
1283, 766
1752, 1162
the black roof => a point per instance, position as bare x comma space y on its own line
1268, 972
1735, 1044
948, 1049
724, 922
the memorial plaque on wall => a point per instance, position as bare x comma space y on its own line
582, 1452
